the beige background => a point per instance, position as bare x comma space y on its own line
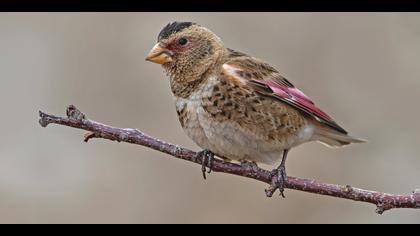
362, 68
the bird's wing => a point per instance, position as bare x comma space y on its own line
267, 81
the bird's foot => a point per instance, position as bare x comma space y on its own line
207, 158
279, 177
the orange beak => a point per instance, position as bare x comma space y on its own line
159, 55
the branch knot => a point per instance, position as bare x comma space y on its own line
74, 113
347, 189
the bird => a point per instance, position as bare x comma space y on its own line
236, 106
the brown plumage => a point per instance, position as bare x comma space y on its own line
237, 106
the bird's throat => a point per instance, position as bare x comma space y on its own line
184, 89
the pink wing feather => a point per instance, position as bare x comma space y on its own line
298, 99
296, 96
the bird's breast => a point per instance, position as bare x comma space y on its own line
189, 111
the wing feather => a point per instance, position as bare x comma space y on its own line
267, 81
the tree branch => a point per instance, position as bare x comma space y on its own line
383, 201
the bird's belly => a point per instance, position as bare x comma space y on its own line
229, 140
220, 138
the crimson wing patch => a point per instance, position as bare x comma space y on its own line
297, 99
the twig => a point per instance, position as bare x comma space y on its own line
383, 201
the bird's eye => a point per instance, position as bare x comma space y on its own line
182, 41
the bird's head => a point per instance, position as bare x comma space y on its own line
187, 51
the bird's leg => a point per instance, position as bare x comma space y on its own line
207, 158
280, 174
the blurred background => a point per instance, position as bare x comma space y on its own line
362, 68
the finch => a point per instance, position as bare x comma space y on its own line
235, 106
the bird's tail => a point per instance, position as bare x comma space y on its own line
333, 138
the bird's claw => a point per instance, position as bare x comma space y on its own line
207, 158
279, 177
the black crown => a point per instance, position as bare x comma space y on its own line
172, 28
